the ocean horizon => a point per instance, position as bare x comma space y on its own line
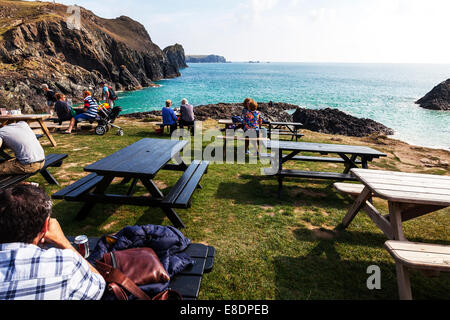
384, 92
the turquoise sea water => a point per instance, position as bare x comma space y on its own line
382, 92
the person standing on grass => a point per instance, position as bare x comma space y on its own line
28, 271
187, 117
107, 94
252, 124
29, 155
51, 98
89, 114
169, 117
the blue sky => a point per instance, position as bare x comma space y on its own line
409, 31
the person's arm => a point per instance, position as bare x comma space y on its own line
56, 236
174, 116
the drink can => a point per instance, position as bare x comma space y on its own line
82, 245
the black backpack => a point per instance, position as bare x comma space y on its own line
112, 94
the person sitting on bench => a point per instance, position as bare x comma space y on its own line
169, 117
89, 114
187, 117
29, 155
252, 124
27, 270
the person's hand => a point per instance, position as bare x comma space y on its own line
55, 235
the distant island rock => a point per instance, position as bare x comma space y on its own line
438, 98
38, 45
330, 121
175, 55
205, 59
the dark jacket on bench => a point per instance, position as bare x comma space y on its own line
168, 243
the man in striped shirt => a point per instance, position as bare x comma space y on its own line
29, 272
89, 114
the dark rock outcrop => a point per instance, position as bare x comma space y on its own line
38, 45
175, 56
333, 121
205, 59
438, 98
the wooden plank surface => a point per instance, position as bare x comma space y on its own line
407, 187
296, 124
324, 148
141, 159
25, 117
421, 256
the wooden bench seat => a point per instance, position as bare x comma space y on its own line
316, 175
180, 195
236, 138
408, 255
52, 160
351, 189
75, 190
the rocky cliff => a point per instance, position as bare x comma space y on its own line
206, 59
175, 56
39, 44
438, 98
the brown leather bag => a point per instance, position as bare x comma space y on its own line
131, 268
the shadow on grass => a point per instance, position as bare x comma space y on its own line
251, 190
323, 274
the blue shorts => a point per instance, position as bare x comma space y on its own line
83, 116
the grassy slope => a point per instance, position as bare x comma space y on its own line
267, 248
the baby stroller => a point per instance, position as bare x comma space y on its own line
106, 118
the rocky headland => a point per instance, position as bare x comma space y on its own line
212, 58
438, 98
39, 43
330, 121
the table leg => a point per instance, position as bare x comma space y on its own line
49, 177
395, 218
355, 209
349, 163
132, 188
88, 206
170, 213
404, 282
47, 133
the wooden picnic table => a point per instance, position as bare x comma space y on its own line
290, 129
350, 156
410, 195
140, 161
29, 118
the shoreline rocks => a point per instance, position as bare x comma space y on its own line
438, 98
331, 121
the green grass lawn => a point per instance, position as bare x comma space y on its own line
266, 248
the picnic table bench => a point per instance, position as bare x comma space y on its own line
410, 195
350, 156
140, 161
52, 160
419, 256
188, 282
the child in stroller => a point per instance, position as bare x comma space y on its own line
106, 118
